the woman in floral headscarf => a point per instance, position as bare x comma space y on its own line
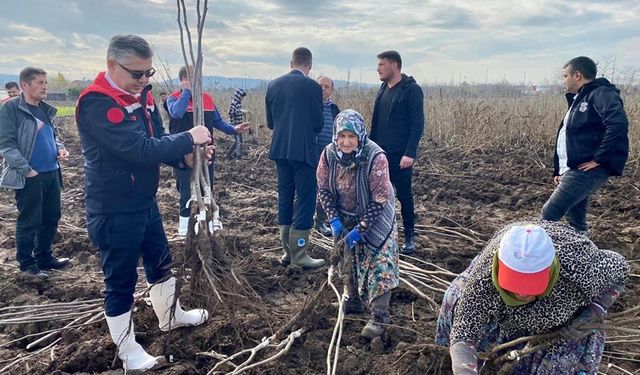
357, 195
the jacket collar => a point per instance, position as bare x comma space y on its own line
102, 84
297, 71
49, 110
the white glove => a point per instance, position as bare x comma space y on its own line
463, 358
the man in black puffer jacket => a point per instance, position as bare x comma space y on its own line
592, 143
397, 124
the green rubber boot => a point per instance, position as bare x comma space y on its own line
298, 241
284, 238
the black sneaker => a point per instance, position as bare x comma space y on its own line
54, 263
36, 271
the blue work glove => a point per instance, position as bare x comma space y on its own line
336, 227
587, 315
353, 238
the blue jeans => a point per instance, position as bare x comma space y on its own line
571, 197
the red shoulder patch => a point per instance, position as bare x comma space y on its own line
115, 115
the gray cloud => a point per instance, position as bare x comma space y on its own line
437, 38
451, 17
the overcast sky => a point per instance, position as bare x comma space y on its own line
440, 41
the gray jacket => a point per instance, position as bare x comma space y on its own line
18, 130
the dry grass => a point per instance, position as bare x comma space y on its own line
471, 122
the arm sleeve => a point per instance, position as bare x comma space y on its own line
592, 270
317, 108
610, 108
160, 132
59, 143
9, 141
473, 311
267, 106
380, 188
222, 125
326, 197
128, 140
416, 120
178, 107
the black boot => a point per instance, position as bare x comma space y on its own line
53, 263
36, 271
323, 229
379, 317
321, 221
409, 245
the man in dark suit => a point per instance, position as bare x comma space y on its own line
295, 114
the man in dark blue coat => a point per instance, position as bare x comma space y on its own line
123, 143
295, 114
592, 143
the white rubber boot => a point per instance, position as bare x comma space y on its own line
133, 357
215, 224
184, 226
161, 296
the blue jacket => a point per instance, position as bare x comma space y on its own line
295, 114
180, 109
597, 128
123, 142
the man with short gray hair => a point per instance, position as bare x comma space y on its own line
325, 137
123, 143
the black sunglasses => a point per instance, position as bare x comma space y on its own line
137, 74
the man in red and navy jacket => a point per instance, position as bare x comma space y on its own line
179, 105
123, 143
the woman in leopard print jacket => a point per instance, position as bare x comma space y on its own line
533, 278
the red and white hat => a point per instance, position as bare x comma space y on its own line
524, 260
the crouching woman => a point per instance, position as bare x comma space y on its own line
533, 278
357, 195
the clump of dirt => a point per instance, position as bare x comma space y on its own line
473, 192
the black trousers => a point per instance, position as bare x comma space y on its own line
296, 182
401, 180
39, 211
